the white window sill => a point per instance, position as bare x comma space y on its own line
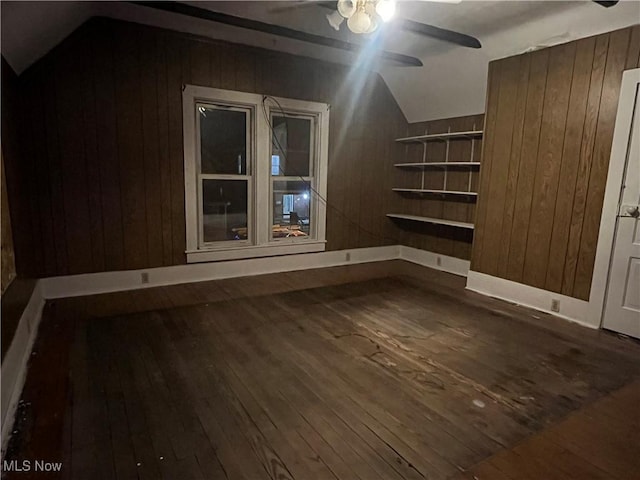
270, 250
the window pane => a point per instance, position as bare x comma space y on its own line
224, 210
223, 140
291, 208
292, 144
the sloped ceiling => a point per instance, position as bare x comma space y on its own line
451, 83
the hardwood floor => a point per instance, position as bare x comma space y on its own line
380, 371
598, 442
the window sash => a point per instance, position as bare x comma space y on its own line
313, 200
223, 106
248, 132
313, 127
221, 244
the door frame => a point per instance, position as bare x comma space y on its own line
615, 177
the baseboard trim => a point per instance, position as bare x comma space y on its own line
454, 265
571, 309
107, 282
16, 360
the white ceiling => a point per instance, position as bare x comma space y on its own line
451, 83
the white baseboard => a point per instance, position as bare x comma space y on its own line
14, 364
571, 308
105, 282
454, 265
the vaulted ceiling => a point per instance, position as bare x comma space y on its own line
452, 81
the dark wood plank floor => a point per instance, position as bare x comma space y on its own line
385, 371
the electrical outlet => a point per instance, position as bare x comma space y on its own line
347, 257
144, 277
555, 305
439, 261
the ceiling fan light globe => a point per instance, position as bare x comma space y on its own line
386, 9
335, 20
346, 8
359, 22
373, 26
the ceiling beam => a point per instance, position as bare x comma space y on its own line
396, 59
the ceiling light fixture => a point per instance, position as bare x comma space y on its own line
363, 16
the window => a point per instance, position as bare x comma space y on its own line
255, 174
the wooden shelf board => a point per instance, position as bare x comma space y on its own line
441, 137
436, 192
438, 164
439, 221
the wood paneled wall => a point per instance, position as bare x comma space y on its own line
103, 138
8, 267
442, 239
12, 158
549, 127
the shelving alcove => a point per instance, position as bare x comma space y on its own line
425, 167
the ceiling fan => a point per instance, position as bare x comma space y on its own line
366, 16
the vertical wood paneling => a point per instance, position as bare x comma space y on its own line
498, 178
547, 195
616, 59
545, 186
175, 49
69, 123
163, 149
514, 163
584, 167
570, 161
110, 149
493, 89
527, 166
633, 56
130, 147
16, 164
150, 150
36, 130
106, 124
55, 178
90, 140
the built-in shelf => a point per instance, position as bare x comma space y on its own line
438, 165
439, 221
441, 137
435, 192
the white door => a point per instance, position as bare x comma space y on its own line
622, 307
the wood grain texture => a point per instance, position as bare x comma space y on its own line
493, 88
357, 372
498, 176
107, 190
545, 161
19, 188
545, 187
598, 442
616, 58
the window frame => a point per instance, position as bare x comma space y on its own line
260, 180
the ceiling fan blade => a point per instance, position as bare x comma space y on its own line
396, 59
437, 32
605, 3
